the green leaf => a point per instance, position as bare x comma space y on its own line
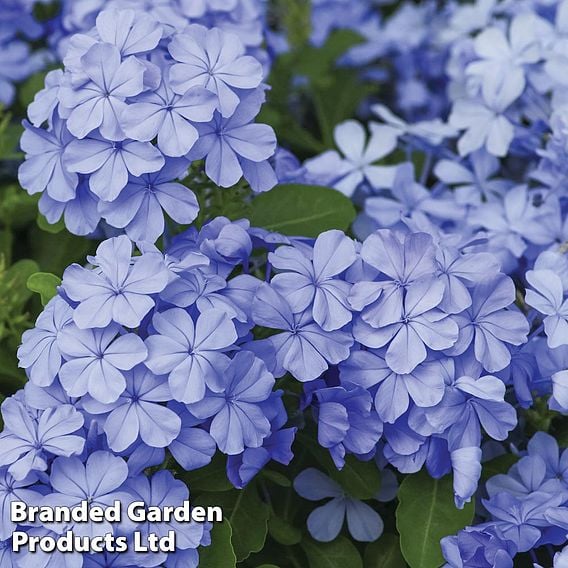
17, 208
54, 253
6, 244
220, 553
276, 477
212, 477
384, 553
340, 553
295, 15
44, 12
45, 284
302, 210
13, 283
46, 226
319, 63
283, 532
14, 295
30, 87
248, 516
338, 99
334, 93
290, 131
10, 133
426, 513
11, 377
561, 431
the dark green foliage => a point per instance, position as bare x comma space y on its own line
302, 210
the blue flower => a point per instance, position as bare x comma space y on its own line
459, 272
100, 481
43, 398
409, 451
236, 146
358, 165
543, 445
424, 385
483, 546
12, 490
492, 323
44, 168
397, 262
408, 198
46, 100
80, 213
514, 221
110, 162
215, 60
325, 522
239, 420
140, 207
547, 297
137, 412
193, 447
472, 182
501, 58
39, 353
277, 446
485, 124
316, 281
191, 353
118, 290
169, 117
525, 477
521, 520
345, 422
304, 348
100, 102
470, 403
204, 291
131, 32
122, 104
466, 466
163, 490
417, 325
28, 441
95, 360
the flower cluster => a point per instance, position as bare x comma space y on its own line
430, 339
19, 29
96, 475
491, 157
245, 18
136, 104
527, 508
481, 168
396, 341
488, 170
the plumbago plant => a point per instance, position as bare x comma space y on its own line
306, 262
